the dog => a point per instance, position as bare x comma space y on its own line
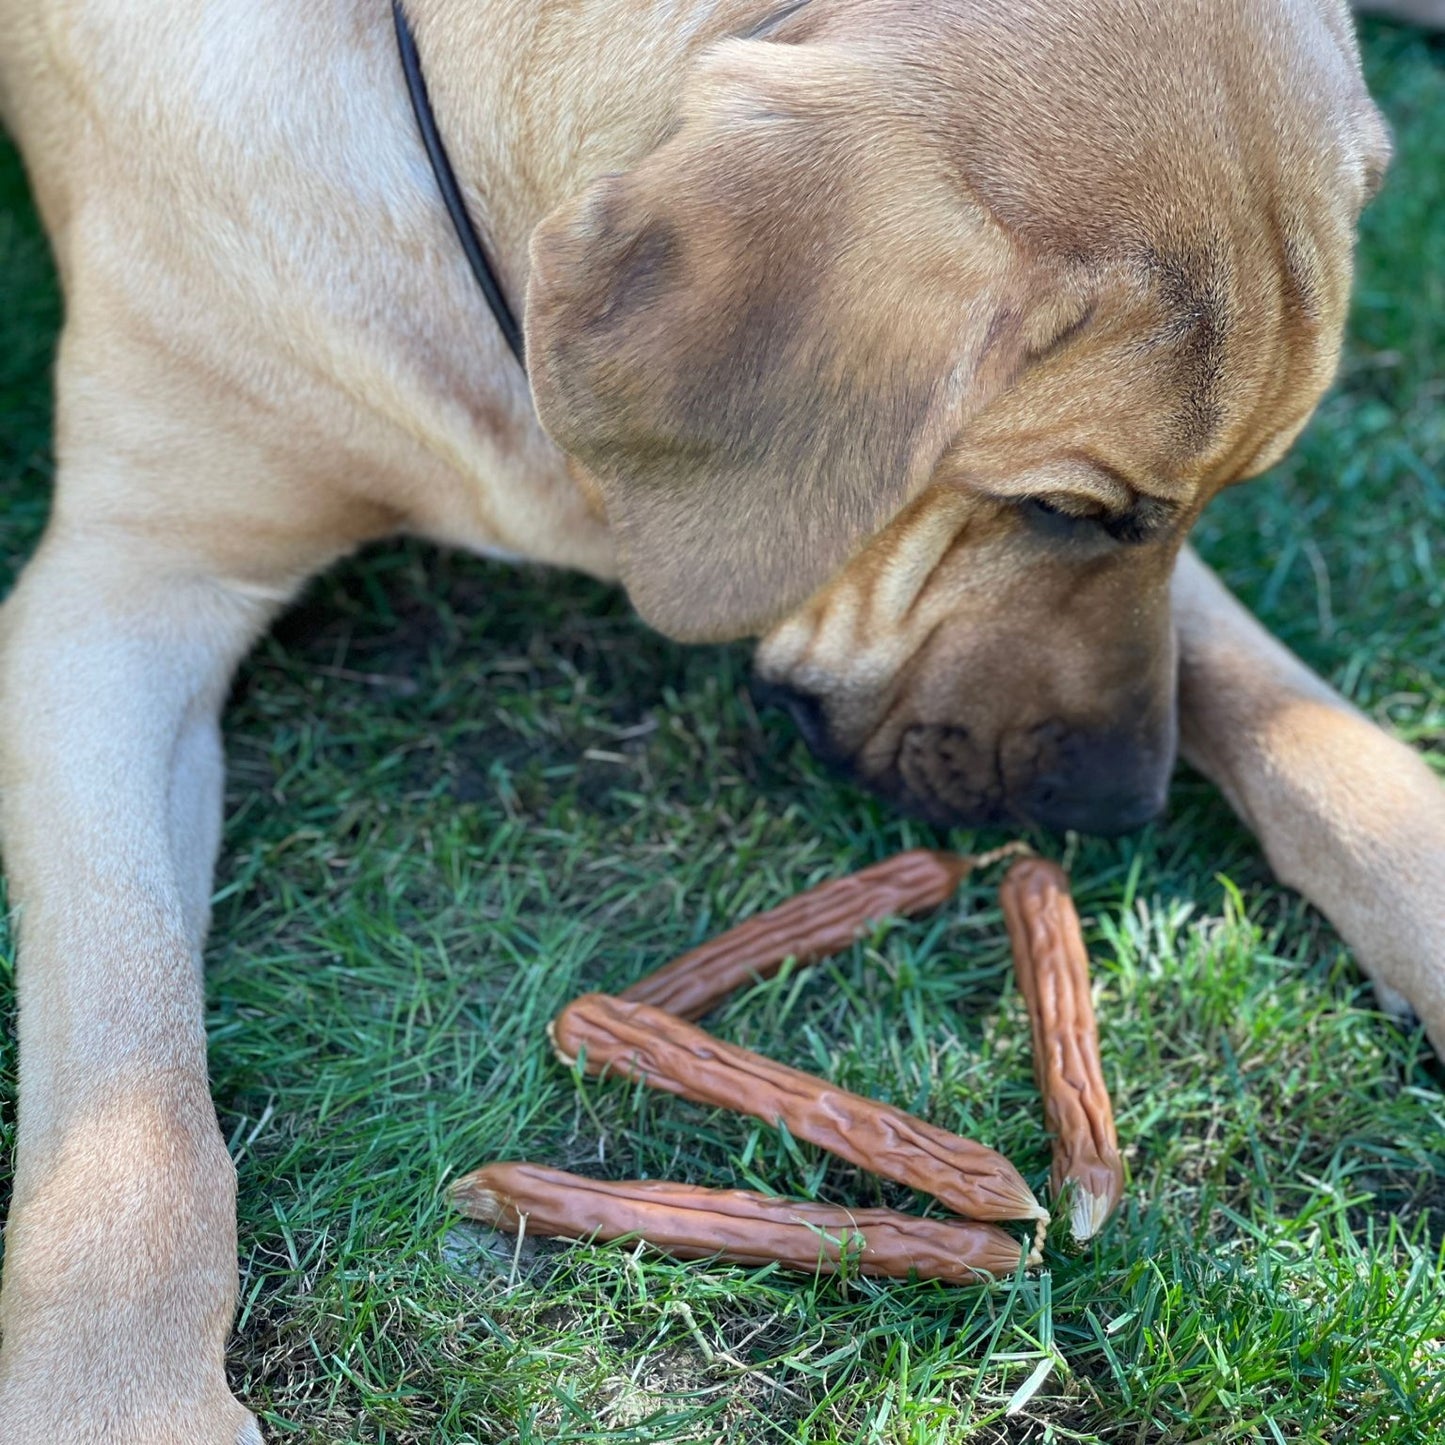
908, 338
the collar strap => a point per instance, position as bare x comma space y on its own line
446, 180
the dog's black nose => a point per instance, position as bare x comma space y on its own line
1104, 784
805, 710
1105, 812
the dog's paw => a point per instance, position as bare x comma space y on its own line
250, 1432
1402, 951
1355, 820
39, 1415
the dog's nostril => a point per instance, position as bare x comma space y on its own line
805, 710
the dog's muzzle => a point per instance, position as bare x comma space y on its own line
1052, 775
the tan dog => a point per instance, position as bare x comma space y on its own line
909, 337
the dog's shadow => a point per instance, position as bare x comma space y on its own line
527, 671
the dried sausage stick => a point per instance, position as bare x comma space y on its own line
645, 1043
1053, 975
732, 1224
807, 928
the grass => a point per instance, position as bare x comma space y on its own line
459, 794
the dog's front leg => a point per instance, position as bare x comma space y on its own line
120, 1274
1348, 815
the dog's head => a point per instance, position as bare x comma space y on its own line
918, 346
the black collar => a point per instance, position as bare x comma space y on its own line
446, 180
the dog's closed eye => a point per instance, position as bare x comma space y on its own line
1070, 518
1050, 517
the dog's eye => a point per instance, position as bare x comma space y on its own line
1052, 520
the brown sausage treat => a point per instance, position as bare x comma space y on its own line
732, 1224
646, 1043
821, 921
1053, 975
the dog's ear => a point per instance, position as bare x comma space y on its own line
758, 341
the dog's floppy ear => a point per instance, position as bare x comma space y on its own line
758, 341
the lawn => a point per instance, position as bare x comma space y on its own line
460, 794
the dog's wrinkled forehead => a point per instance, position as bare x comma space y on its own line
1215, 149
1195, 172
1084, 124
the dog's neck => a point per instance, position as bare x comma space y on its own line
534, 101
